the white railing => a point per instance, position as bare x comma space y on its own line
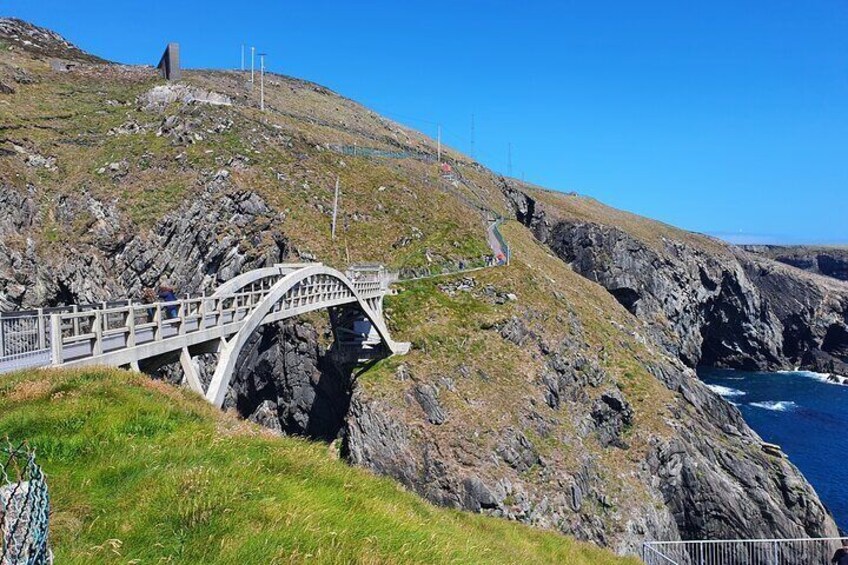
60, 335
801, 551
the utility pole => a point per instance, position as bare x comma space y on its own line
252, 58
262, 81
509, 159
439, 145
472, 136
242, 56
335, 207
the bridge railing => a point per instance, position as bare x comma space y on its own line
76, 335
57, 335
23, 338
801, 551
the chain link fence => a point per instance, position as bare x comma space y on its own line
24, 509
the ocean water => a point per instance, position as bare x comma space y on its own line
802, 413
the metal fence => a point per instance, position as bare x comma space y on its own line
501, 239
24, 509
357, 151
801, 551
25, 334
456, 267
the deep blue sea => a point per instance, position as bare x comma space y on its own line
805, 415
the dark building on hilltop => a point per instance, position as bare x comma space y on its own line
169, 64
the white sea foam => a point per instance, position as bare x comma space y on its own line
775, 405
726, 391
822, 377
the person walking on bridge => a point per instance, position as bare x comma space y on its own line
166, 294
148, 296
841, 555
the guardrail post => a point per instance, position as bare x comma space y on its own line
2, 340
775, 552
130, 323
56, 344
97, 349
182, 311
41, 330
158, 317
201, 310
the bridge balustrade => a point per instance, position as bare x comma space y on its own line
70, 333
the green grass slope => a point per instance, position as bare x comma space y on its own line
141, 472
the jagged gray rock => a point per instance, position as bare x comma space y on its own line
612, 415
428, 398
723, 307
827, 261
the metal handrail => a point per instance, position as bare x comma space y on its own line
766, 551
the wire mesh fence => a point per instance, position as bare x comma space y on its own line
449, 268
24, 509
357, 151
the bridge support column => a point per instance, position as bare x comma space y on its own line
190, 371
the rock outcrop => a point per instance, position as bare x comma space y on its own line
828, 261
708, 479
707, 303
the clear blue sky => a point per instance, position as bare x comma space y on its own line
727, 117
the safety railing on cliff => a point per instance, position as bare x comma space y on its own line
24, 509
359, 151
443, 269
801, 551
505, 249
500, 256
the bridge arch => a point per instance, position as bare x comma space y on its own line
334, 288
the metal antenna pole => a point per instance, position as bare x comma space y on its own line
242, 56
439, 145
262, 81
252, 58
335, 207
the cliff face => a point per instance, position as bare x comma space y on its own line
530, 393
705, 302
605, 451
828, 261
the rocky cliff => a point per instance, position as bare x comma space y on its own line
532, 392
827, 261
707, 303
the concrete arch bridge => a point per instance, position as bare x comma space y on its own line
147, 336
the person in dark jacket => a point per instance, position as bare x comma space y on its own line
148, 296
166, 294
841, 555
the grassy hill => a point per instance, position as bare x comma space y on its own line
140, 472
